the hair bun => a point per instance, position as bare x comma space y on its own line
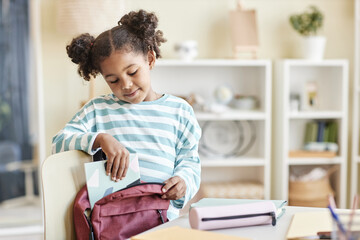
140, 23
79, 48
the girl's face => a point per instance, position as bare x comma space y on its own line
128, 75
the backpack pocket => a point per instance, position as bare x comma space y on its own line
129, 212
132, 205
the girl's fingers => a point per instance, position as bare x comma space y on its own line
109, 165
169, 184
121, 168
179, 193
174, 194
126, 166
115, 167
174, 188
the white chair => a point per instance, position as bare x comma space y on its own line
62, 176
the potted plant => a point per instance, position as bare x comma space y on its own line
308, 24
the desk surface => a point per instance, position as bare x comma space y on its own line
268, 232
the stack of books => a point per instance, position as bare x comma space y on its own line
321, 131
320, 140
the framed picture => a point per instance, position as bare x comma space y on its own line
310, 96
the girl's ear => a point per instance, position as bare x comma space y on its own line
151, 58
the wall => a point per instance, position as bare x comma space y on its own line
205, 21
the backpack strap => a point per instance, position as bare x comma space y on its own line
81, 221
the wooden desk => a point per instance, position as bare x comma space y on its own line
262, 232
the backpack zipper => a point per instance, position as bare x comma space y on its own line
272, 214
144, 183
161, 217
91, 233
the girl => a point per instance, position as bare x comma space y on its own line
160, 128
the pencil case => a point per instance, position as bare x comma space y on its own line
229, 216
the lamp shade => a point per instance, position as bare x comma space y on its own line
75, 17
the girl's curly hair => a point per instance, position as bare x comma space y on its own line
136, 31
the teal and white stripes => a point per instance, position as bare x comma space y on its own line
164, 133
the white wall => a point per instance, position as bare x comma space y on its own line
205, 21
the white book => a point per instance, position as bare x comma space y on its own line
100, 185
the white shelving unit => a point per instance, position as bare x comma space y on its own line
245, 77
331, 77
355, 152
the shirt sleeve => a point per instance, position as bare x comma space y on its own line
187, 164
78, 134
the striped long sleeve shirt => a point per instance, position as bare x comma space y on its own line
163, 133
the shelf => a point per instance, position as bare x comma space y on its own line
331, 78
315, 63
311, 154
231, 115
211, 62
203, 77
355, 158
316, 115
315, 161
232, 162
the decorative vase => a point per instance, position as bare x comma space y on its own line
187, 50
313, 47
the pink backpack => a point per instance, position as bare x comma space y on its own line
121, 214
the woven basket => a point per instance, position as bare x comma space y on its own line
311, 193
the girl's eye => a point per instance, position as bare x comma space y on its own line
115, 81
133, 73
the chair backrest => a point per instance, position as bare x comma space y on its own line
62, 176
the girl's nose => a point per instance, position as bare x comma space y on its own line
126, 84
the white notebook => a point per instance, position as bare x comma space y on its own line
100, 185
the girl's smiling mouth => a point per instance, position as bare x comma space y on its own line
132, 94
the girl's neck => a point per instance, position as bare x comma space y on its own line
154, 96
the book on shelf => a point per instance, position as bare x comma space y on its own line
311, 132
321, 147
320, 140
321, 131
326, 134
333, 130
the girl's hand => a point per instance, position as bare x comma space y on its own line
117, 155
175, 188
